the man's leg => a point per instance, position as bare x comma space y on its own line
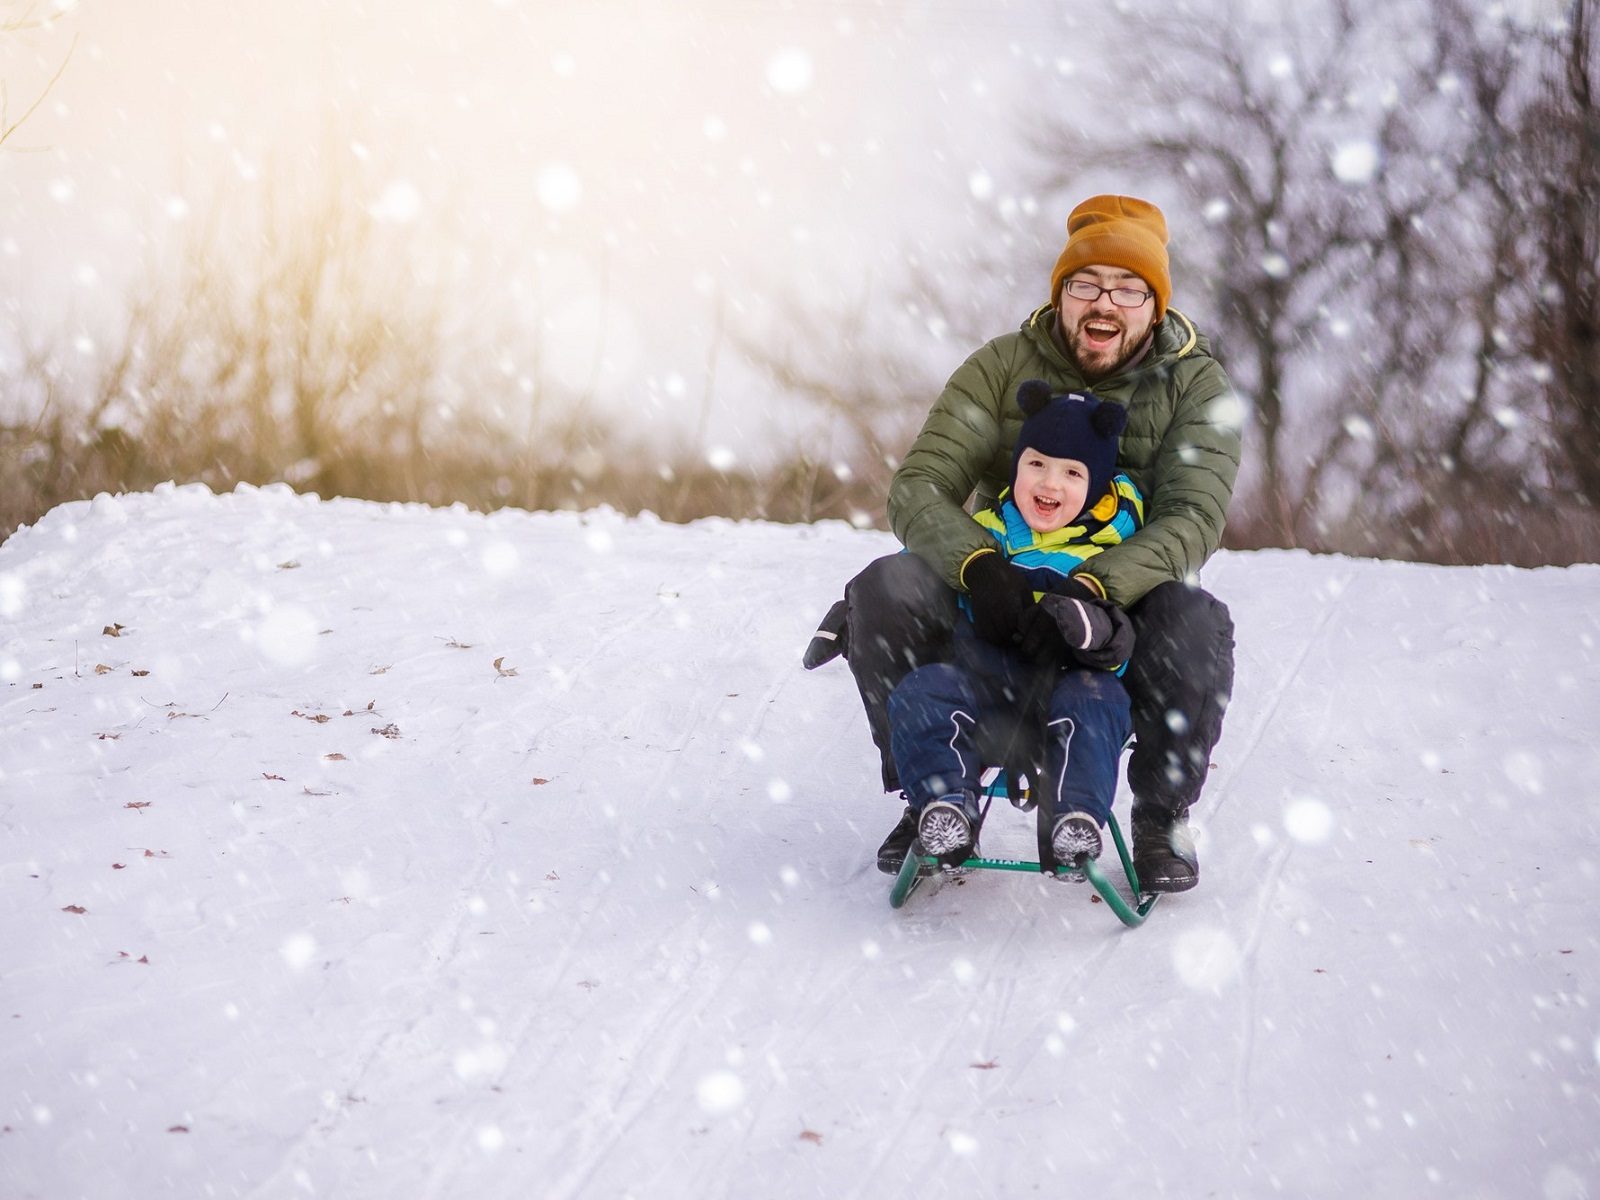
1179, 682
899, 616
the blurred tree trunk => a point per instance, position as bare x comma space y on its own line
1563, 139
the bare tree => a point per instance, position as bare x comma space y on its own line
1561, 138
1370, 221
1298, 175
8, 124
869, 388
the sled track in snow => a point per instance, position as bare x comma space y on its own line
634, 1080
892, 1147
402, 1015
1281, 689
539, 1004
1245, 1056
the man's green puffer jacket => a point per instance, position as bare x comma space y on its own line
1181, 448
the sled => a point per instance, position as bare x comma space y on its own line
919, 866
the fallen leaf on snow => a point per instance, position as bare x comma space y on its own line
503, 672
75, 908
812, 1136
102, 669
139, 674
986, 1066
178, 1129
389, 731
334, 757
270, 775
539, 781
138, 804
112, 631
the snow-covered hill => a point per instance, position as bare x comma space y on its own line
353, 850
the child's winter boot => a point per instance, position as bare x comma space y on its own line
947, 827
1075, 838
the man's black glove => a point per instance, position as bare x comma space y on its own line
1001, 597
831, 638
1089, 631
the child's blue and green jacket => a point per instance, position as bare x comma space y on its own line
1049, 558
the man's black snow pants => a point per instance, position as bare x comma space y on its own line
900, 615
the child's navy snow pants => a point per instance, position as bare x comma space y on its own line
949, 720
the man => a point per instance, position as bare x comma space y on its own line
1107, 330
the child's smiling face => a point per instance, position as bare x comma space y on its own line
1050, 493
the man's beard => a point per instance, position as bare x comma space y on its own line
1097, 364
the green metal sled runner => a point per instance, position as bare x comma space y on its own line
919, 866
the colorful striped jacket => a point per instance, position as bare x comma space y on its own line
1048, 558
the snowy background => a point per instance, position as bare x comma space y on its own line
667, 170
370, 851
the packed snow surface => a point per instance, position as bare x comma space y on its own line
354, 850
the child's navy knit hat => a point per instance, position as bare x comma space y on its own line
1076, 425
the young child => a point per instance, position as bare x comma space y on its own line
1032, 647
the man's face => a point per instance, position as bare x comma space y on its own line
1102, 335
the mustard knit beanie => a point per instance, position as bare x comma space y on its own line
1117, 231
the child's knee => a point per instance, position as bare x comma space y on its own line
1089, 694
931, 683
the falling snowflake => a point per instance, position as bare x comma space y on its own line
1356, 162
790, 71
559, 188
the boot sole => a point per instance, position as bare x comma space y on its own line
1166, 884
945, 832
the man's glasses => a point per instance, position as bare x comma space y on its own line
1122, 297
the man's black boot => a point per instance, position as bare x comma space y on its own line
1163, 851
892, 854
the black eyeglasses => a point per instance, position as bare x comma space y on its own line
1122, 297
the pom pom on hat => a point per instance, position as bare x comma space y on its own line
1076, 425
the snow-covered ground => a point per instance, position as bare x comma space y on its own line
353, 850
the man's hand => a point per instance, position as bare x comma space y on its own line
1001, 597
